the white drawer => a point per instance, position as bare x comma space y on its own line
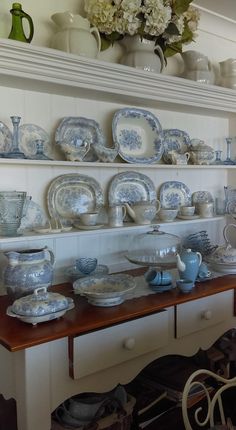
105, 348
200, 314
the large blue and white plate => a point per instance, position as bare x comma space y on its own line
71, 194
5, 138
74, 129
174, 194
102, 287
28, 134
138, 134
175, 140
131, 187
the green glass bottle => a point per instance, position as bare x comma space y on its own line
17, 30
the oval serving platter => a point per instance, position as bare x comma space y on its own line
71, 194
138, 134
131, 187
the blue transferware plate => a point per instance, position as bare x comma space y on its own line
131, 187
174, 194
175, 139
104, 286
73, 130
5, 139
201, 197
138, 134
71, 194
28, 134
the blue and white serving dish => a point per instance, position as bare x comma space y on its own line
5, 139
175, 139
138, 133
174, 194
131, 187
76, 130
28, 136
71, 194
105, 290
40, 306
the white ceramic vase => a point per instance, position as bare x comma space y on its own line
142, 54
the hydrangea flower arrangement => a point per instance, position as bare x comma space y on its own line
171, 23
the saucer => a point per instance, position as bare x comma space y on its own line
161, 288
186, 217
87, 227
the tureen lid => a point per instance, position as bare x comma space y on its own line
154, 247
41, 302
200, 145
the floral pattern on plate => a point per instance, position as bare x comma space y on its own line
201, 197
71, 194
174, 194
28, 134
104, 286
80, 130
175, 139
131, 187
34, 217
5, 138
138, 134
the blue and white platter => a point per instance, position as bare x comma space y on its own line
105, 290
71, 194
131, 187
74, 130
175, 139
5, 139
174, 194
138, 134
28, 134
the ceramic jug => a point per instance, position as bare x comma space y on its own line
75, 36
188, 263
228, 73
27, 270
197, 67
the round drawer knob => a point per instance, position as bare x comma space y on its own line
129, 343
207, 315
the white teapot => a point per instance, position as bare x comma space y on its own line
75, 35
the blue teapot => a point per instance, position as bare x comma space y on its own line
188, 263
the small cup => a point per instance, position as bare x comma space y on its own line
187, 210
167, 214
203, 271
205, 210
89, 218
116, 215
86, 265
185, 285
153, 277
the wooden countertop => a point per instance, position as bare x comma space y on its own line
16, 335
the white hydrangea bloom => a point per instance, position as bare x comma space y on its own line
192, 15
157, 17
179, 22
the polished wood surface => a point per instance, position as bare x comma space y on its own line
16, 335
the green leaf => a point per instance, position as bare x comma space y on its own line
180, 6
172, 29
173, 49
105, 43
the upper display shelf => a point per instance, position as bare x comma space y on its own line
48, 70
